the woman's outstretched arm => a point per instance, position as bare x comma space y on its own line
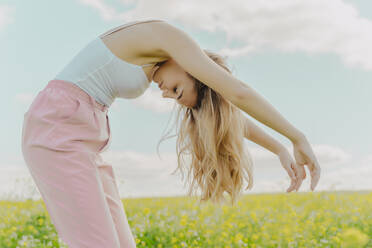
186, 52
179, 46
257, 135
259, 108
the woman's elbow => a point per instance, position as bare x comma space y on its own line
244, 90
242, 95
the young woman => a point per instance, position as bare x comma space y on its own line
67, 127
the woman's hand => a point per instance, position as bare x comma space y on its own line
290, 166
304, 155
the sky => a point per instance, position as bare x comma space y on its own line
310, 59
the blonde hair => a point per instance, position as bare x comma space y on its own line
212, 132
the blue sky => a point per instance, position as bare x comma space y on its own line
310, 60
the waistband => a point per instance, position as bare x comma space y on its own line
77, 92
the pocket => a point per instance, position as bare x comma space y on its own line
66, 106
108, 141
54, 118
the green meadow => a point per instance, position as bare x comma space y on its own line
297, 219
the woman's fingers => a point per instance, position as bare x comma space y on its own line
304, 155
286, 162
293, 175
292, 186
314, 170
301, 176
315, 174
295, 171
291, 172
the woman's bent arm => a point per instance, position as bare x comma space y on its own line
259, 108
259, 136
179, 46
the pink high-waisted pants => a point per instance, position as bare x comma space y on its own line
64, 131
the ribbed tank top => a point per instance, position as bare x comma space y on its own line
97, 71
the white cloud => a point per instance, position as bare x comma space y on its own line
153, 100
354, 175
367, 160
22, 101
335, 163
145, 174
107, 13
290, 25
6, 15
328, 155
24, 98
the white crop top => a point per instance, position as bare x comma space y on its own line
97, 71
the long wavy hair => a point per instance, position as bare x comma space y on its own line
212, 133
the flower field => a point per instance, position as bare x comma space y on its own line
308, 219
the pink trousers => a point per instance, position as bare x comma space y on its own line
64, 131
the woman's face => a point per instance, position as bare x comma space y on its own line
175, 83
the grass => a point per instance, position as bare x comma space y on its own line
309, 219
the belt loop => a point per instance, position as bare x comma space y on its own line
91, 100
95, 104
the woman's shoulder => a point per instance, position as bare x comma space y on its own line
137, 41
128, 24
